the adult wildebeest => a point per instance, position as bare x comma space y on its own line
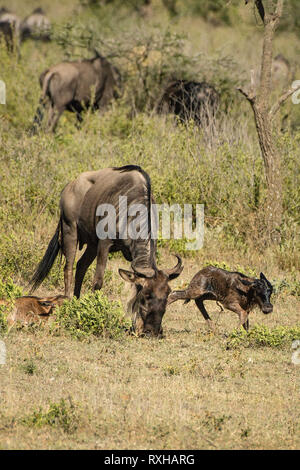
31, 309
234, 290
36, 26
74, 86
14, 20
190, 100
79, 204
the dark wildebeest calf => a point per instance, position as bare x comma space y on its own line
190, 100
235, 291
74, 86
78, 225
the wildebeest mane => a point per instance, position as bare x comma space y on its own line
127, 168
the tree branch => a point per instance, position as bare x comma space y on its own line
249, 96
281, 100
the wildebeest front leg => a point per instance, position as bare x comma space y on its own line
200, 305
244, 322
102, 254
82, 265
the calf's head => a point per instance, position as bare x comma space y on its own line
149, 302
262, 293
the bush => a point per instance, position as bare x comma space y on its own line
92, 314
260, 336
62, 414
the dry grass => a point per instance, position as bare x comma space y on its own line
186, 391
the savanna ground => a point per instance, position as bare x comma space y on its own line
191, 389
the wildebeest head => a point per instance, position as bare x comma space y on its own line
261, 290
262, 293
150, 299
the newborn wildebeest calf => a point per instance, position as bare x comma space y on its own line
235, 291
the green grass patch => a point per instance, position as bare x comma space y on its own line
262, 336
92, 314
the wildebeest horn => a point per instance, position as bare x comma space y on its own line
174, 272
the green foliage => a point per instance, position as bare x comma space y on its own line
62, 415
262, 336
92, 314
9, 290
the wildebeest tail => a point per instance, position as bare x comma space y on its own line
47, 262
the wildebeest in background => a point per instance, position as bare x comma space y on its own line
36, 26
30, 309
6, 33
190, 100
14, 20
234, 290
79, 203
74, 86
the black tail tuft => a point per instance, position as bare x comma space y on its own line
46, 263
186, 301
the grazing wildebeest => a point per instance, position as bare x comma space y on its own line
190, 100
234, 290
73, 85
31, 309
78, 222
14, 20
36, 26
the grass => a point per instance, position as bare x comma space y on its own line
192, 389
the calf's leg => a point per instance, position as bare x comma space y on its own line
200, 305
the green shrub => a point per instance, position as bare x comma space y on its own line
260, 336
62, 414
92, 314
9, 290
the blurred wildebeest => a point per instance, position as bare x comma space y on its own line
6, 33
190, 100
31, 309
234, 290
80, 203
74, 86
14, 20
36, 26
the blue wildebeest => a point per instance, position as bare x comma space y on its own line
234, 290
74, 86
190, 100
78, 227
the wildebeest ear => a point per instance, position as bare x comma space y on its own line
127, 275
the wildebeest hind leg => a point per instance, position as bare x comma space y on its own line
177, 295
82, 266
53, 117
69, 246
200, 305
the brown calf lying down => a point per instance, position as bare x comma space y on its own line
31, 309
235, 291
